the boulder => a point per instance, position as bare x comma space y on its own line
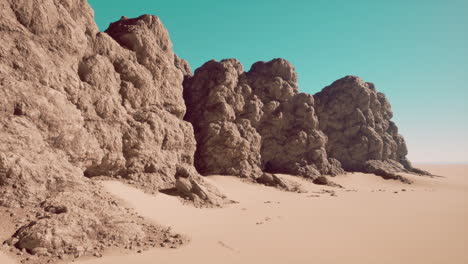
322, 180
361, 136
275, 181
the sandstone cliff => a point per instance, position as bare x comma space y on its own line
78, 103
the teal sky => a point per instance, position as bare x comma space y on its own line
416, 52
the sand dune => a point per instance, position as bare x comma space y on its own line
427, 223
370, 221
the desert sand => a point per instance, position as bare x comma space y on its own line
371, 220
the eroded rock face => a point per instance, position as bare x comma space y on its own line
75, 102
356, 119
249, 122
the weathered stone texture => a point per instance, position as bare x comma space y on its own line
247, 122
356, 119
75, 102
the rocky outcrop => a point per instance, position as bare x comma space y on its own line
356, 119
249, 122
76, 102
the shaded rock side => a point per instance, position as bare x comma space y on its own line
75, 102
357, 120
249, 122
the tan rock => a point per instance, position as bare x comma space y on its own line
76, 103
357, 120
249, 122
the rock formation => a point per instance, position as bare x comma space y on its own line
249, 122
356, 119
75, 102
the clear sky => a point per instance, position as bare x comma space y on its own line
416, 52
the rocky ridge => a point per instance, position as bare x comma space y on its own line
77, 104
247, 123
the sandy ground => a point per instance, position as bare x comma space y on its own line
7, 227
370, 221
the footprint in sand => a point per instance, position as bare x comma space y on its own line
224, 245
324, 191
262, 222
269, 202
